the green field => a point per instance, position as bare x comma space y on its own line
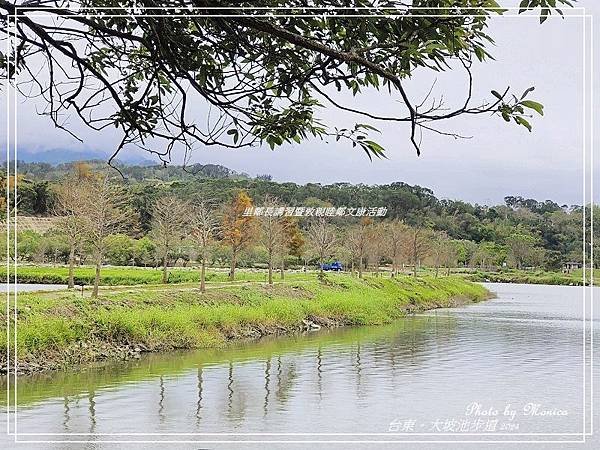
129, 276
57, 329
126, 276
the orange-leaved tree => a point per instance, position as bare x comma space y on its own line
238, 230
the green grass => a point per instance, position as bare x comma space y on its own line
123, 276
60, 329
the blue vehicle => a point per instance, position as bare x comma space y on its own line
335, 266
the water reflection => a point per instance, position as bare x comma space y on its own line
199, 403
515, 348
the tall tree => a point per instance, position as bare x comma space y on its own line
357, 241
70, 205
264, 72
104, 213
417, 245
322, 236
170, 221
272, 233
294, 241
238, 230
395, 231
204, 227
438, 250
377, 246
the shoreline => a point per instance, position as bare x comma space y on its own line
63, 331
545, 278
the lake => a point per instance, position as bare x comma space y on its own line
29, 287
511, 367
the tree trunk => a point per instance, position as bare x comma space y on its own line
360, 266
232, 267
415, 267
437, 269
270, 270
165, 266
282, 268
203, 274
321, 264
97, 278
71, 264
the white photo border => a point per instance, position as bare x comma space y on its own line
325, 11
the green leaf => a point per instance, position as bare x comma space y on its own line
527, 91
366, 127
373, 147
523, 122
523, 6
538, 107
480, 53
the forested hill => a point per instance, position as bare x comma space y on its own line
51, 172
556, 228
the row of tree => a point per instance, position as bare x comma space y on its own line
95, 221
556, 230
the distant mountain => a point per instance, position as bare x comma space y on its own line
57, 156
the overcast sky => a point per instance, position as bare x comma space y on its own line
500, 159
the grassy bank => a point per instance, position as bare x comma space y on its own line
61, 329
527, 277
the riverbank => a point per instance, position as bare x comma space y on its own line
528, 277
58, 329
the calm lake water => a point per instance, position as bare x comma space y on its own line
26, 287
512, 367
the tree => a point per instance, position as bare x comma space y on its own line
104, 213
263, 77
204, 226
119, 249
70, 206
488, 254
357, 240
169, 227
417, 245
144, 251
53, 248
522, 249
395, 232
376, 245
238, 230
272, 233
440, 250
323, 239
294, 240
29, 244
449, 255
